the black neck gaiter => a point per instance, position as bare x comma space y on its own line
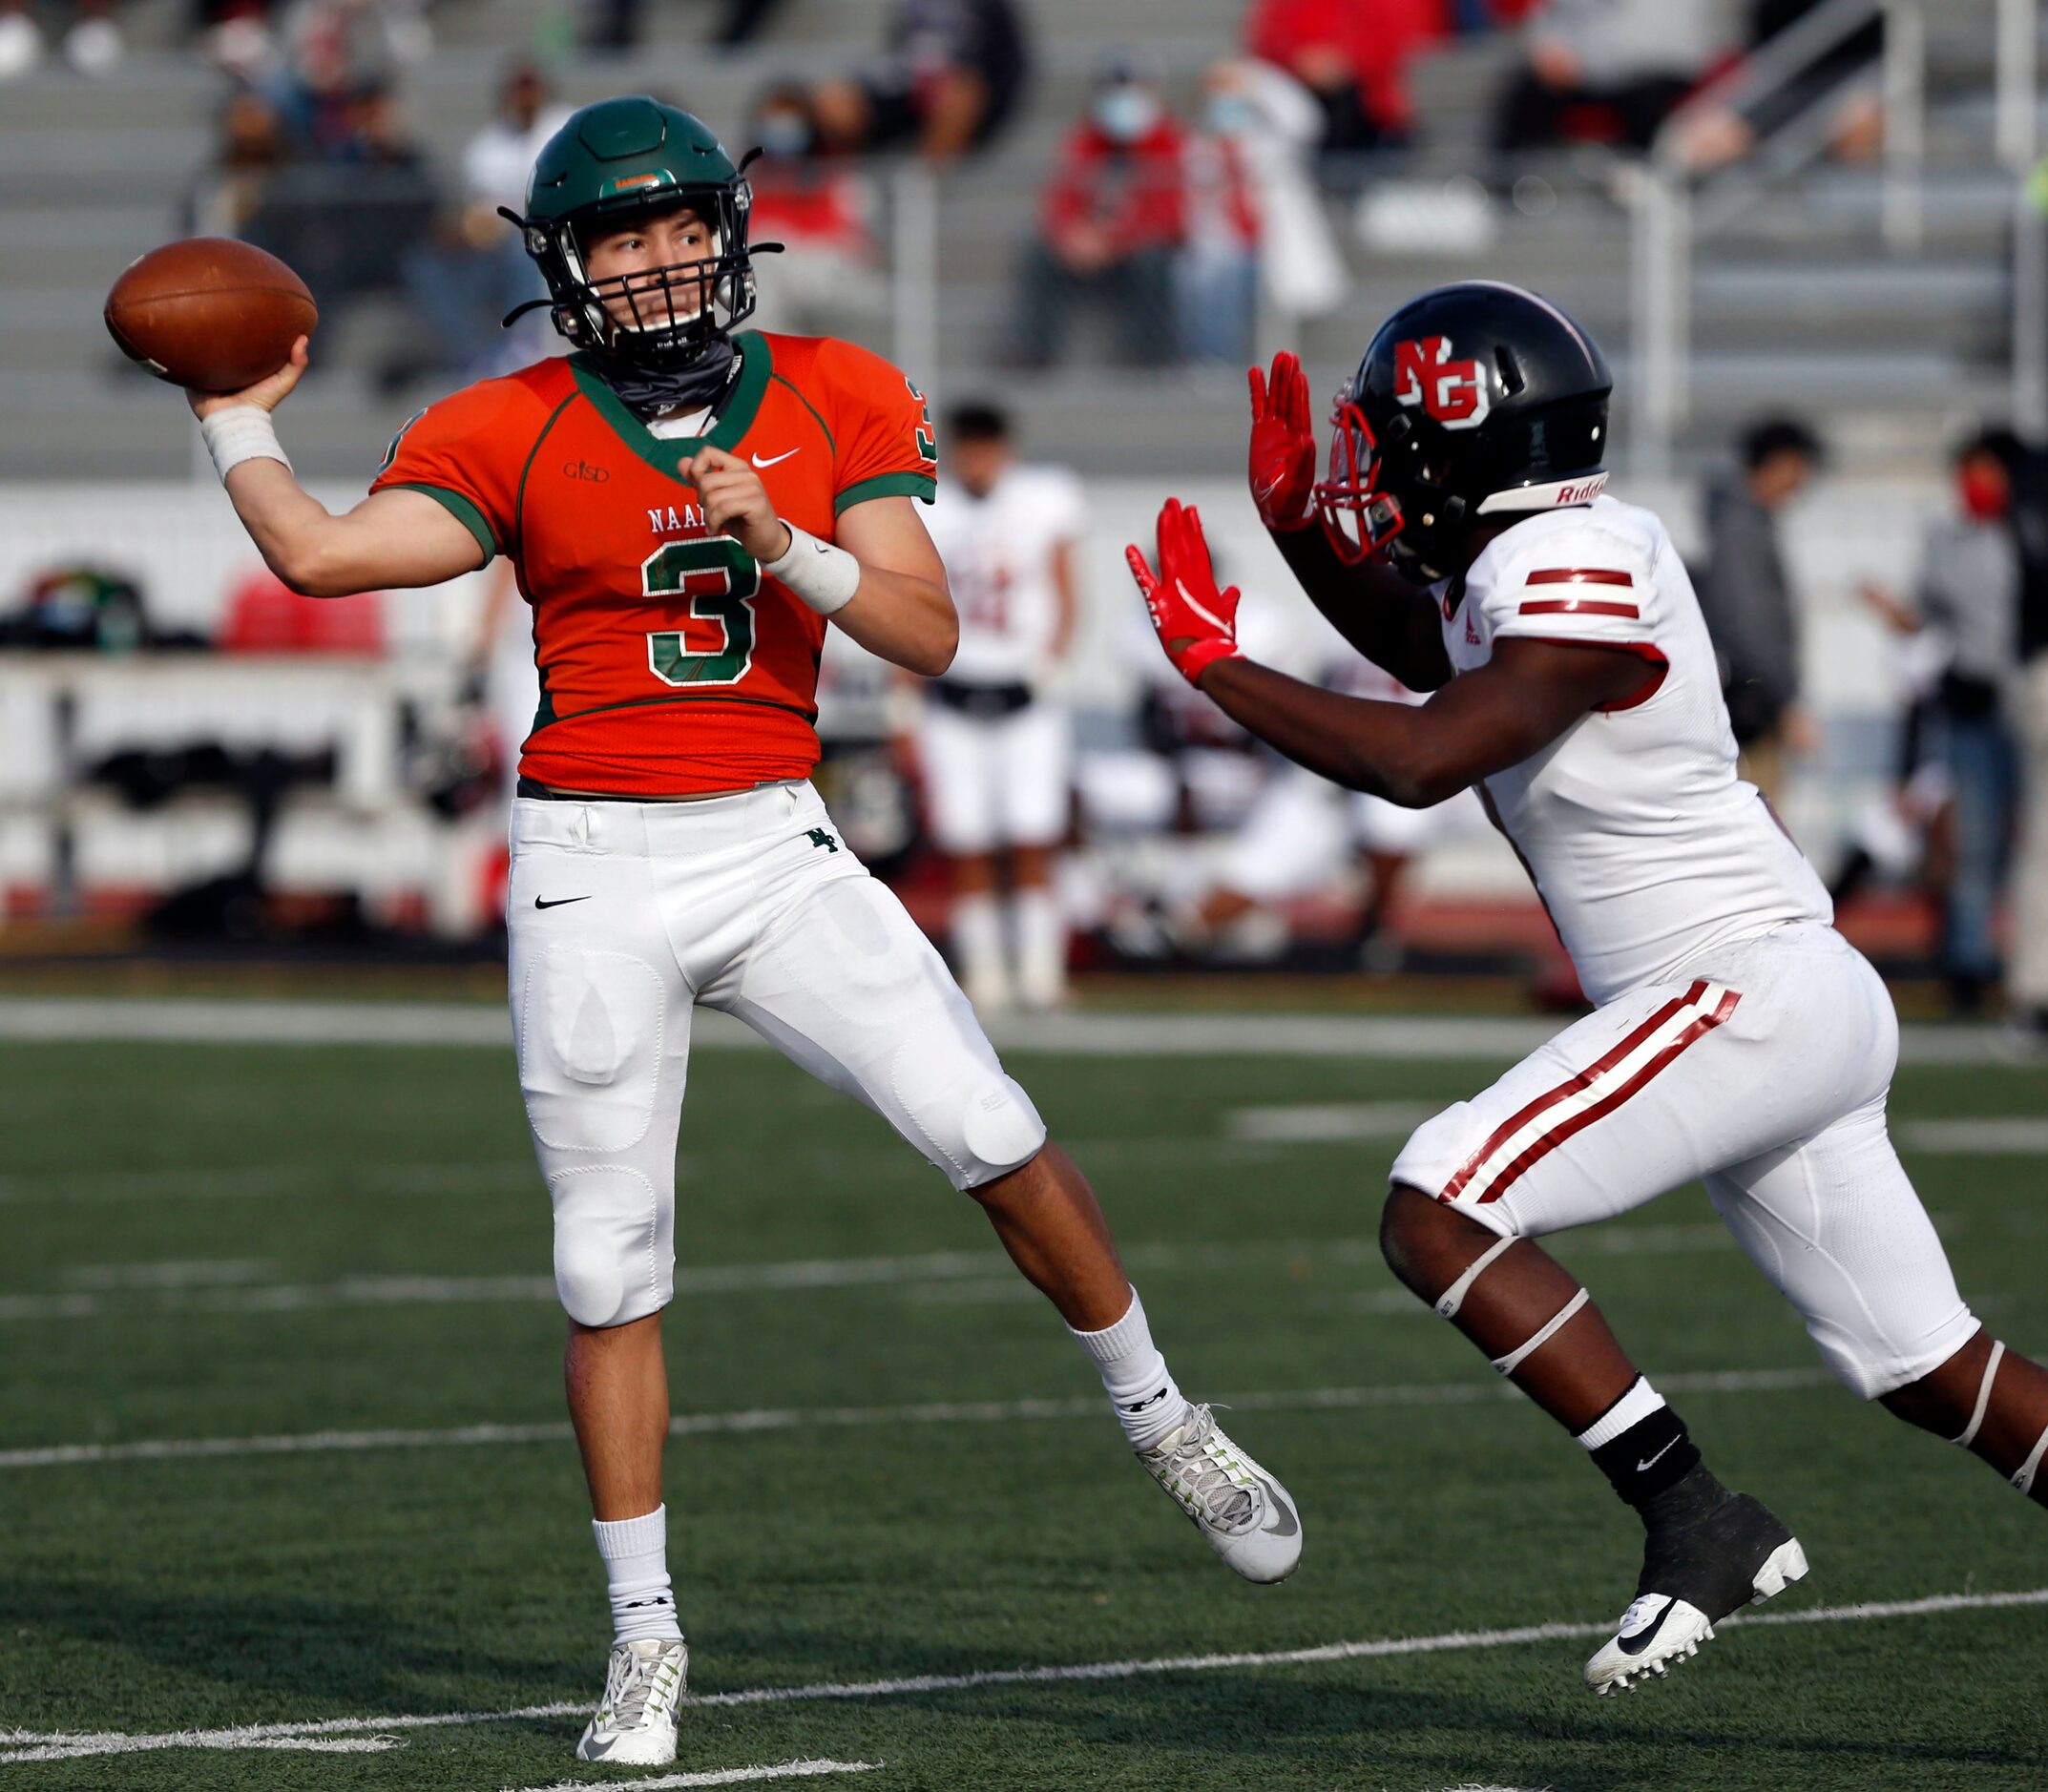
653, 393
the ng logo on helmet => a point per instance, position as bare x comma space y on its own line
1454, 392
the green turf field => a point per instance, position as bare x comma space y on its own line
204, 1243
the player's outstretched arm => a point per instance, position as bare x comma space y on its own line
1384, 616
392, 539
882, 581
1516, 704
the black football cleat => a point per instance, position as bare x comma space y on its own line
1709, 1552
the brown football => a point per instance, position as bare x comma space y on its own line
210, 313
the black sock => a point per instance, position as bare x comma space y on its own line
1654, 1453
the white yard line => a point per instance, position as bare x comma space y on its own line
1343, 1122
495, 1176
266, 1182
1197, 1034
1328, 1122
723, 1776
800, 1418
60, 1747
71, 1748
1989, 1136
962, 1278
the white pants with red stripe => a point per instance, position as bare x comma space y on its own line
1762, 1070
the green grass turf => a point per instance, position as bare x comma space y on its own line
172, 1594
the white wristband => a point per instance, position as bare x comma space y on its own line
825, 577
241, 433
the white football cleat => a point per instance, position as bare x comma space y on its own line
1248, 1516
636, 1724
1735, 1555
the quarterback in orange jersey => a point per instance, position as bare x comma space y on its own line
685, 508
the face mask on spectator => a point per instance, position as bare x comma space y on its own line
1985, 495
785, 134
1232, 114
1126, 112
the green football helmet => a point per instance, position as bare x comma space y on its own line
613, 159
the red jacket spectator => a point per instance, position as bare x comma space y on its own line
1374, 39
1132, 192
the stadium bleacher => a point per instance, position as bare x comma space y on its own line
1796, 300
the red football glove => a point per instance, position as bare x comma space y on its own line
1283, 461
1197, 624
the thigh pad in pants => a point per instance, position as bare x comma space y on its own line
592, 1037
846, 985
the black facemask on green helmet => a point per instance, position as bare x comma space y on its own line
607, 163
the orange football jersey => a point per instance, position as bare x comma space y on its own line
669, 662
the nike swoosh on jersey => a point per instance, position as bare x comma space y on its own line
541, 901
776, 459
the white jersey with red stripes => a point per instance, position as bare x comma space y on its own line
1645, 846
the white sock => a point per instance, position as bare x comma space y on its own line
978, 938
1141, 1386
636, 1572
1632, 1409
1041, 948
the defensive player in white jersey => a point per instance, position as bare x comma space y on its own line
1738, 1037
993, 744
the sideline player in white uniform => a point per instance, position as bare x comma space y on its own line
1738, 1037
1303, 831
994, 748
668, 849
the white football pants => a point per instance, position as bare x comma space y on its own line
622, 915
995, 782
1762, 1070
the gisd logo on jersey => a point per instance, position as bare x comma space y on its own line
1454, 392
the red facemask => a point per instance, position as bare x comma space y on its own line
1986, 495
1359, 520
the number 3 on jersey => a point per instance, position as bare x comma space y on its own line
721, 579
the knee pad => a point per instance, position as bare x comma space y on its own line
590, 1049
975, 1126
613, 1245
1000, 1130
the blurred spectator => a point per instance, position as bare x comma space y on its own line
347, 220
1967, 618
1215, 278
234, 36
92, 44
1604, 72
1115, 216
1255, 223
1842, 79
819, 207
2027, 983
743, 21
1748, 603
994, 749
472, 269
947, 79
252, 148
615, 24
338, 55
1353, 56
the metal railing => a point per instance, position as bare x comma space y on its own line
1674, 209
